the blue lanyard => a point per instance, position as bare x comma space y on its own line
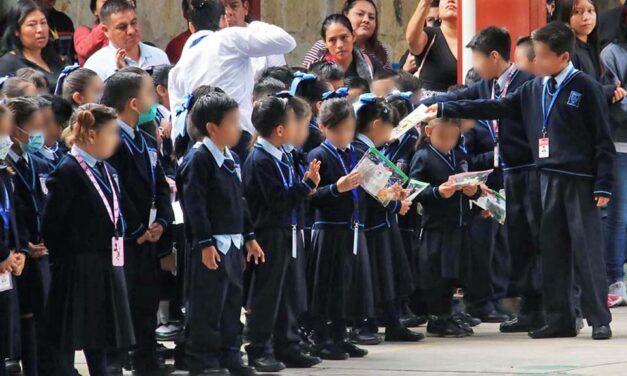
287, 184
354, 191
130, 144
5, 212
545, 88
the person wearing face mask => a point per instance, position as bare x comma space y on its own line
145, 196
30, 187
121, 26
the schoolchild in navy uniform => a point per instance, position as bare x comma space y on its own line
400, 152
30, 188
571, 143
11, 255
83, 228
445, 240
62, 111
516, 168
311, 88
217, 224
339, 265
390, 270
79, 86
146, 207
276, 198
52, 132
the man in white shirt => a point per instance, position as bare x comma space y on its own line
125, 48
223, 58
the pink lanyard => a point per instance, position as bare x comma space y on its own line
113, 215
495, 123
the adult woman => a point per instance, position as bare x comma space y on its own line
88, 40
581, 15
26, 42
364, 18
435, 48
339, 38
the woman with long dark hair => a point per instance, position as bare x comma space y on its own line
364, 18
26, 42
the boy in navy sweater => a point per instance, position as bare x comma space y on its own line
566, 124
502, 145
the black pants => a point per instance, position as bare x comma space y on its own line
277, 295
215, 304
490, 265
243, 146
524, 210
96, 363
439, 300
571, 244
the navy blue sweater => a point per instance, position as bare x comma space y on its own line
579, 133
514, 146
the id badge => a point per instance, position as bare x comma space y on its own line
6, 283
294, 242
154, 155
355, 238
153, 215
496, 156
117, 251
543, 148
42, 182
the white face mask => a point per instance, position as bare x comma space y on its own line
5, 146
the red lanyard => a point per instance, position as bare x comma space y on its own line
114, 214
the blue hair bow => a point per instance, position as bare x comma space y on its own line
406, 95
181, 111
364, 99
300, 77
341, 92
66, 72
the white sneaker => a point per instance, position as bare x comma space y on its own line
618, 288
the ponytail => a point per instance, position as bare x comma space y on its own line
89, 117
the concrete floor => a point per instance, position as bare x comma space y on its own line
486, 353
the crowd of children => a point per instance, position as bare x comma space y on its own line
107, 191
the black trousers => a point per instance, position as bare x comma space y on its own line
277, 296
490, 265
215, 304
524, 210
96, 363
571, 244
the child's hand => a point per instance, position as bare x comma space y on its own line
431, 113
155, 230
314, 172
120, 55
255, 252
8, 265
619, 93
37, 250
166, 128
348, 182
470, 190
211, 257
146, 237
446, 190
602, 201
20, 261
398, 193
168, 263
405, 206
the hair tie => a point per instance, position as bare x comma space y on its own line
285, 94
364, 99
66, 72
300, 77
341, 92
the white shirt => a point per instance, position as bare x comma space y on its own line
562, 75
223, 241
223, 59
502, 80
103, 61
271, 149
261, 63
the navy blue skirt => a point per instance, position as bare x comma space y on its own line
9, 323
33, 285
341, 286
444, 255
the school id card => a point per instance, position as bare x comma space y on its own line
6, 283
117, 251
543, 148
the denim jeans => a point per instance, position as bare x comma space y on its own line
616, 222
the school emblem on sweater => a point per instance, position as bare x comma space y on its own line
153, 157
42, 183
574, 99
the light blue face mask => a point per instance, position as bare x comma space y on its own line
35, 142
148, 116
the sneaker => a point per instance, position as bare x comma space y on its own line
614, 300
618, 288
463, 325
167, 332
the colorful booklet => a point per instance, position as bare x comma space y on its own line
493, 202
410, 121
469, 178
379, 175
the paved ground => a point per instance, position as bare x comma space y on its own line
487, 353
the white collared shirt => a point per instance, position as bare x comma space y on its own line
16, 158
502, 80
365, 139
88, 158
103, 60
223, 241
271, 149
224, 59
127, 129
562, 75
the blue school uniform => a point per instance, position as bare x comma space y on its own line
571, 113
315, 137
88, 305
391, 273
276, 201
143, 188
212, 197
339, 268
53, 154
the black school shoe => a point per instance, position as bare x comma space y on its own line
402, 334
601, 332
364, 337
463, 325
211, 372
550, 331
331, 351
352, 350
468, 319
443, 327
522, 323
113, 370
266, 363
295, 358
13, 367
